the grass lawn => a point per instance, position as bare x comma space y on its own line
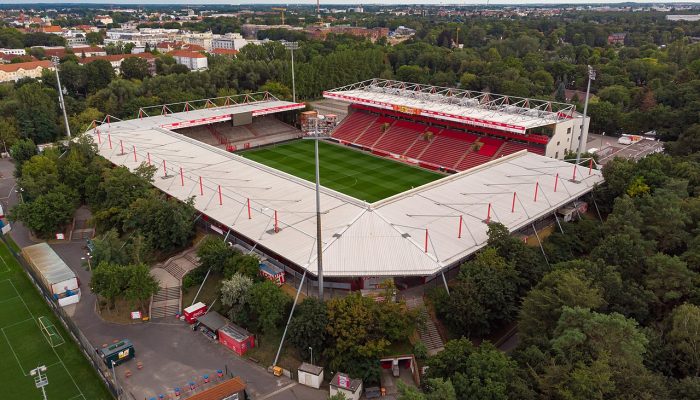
24, 346
360, 175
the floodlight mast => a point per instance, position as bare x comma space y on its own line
40, 381
55, 61
583, 137
291, 46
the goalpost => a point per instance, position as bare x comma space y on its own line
50, 332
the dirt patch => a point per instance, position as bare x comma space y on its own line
120, 313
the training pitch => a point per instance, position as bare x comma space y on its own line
30, 336
360, 175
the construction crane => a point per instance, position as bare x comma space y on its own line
281, 10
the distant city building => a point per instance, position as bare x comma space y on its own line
251, 30
104, 19
191, 59
15, 72
224, 52
320, 33
230, 41
117, 59
79, 51
688, 17
617, 38
200, 39
17, 52
403, 31
55, 29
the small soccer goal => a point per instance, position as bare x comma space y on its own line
50, 332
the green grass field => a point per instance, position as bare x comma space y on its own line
24, 346
348, 171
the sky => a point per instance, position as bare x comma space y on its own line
332, 2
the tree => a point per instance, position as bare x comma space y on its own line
107, 281
39, 176
36, 112
99, 74
308, 326
8, 133
165, 224
481, 372
484, 296
529, 265
436, 389
49, 212
213, 253
277, 89
670, 280
684, 336
268, 303
141, 284
235, 293
110, 249
134, 68
22, 151
542, 307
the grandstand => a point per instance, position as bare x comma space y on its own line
421, 232
261, 131
448, 129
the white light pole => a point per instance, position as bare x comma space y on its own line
291, 46
87, 257
40, 381
583, 138
55, 61
312, 354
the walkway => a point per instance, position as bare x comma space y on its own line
428, 333
168, 301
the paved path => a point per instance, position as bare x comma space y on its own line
171, 353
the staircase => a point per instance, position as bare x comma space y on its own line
168, 301
428, 333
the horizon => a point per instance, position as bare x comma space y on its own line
346, 2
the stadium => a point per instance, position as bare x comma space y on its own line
410, 178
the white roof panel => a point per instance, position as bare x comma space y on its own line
386, 238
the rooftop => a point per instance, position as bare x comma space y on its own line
490, 110
25, 66
221, 391
385, 238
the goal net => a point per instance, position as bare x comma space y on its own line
50, 332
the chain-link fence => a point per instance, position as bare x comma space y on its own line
88, 350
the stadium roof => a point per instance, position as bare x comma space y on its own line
386, 238
489, 110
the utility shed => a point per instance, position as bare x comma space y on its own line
53, 273
310, 375
212, 321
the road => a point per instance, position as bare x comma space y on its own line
172, 354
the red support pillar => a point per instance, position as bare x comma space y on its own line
201, 187
459, 233
182, 178
590, 166
135, 154
488, 214
99, 138
276, 226
148, 155
249, 215
121, 146
556, 182
109, 136
426, 240
107, 119
165, 172
512, 207
574, 177
221, 200
537, 189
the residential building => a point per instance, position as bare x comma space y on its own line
224, 52
200, 39
104, 19
320, 33
55, 29
79, 51
684, 17
231, 41
191, 59
15, 72
117, 59
17, 52
9, 58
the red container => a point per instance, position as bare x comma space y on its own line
192, 312
236, 338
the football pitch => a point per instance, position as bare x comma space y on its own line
32, 336
360, 175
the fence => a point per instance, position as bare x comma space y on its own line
88, 350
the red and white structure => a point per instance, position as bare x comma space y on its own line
391, 114
417, 234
